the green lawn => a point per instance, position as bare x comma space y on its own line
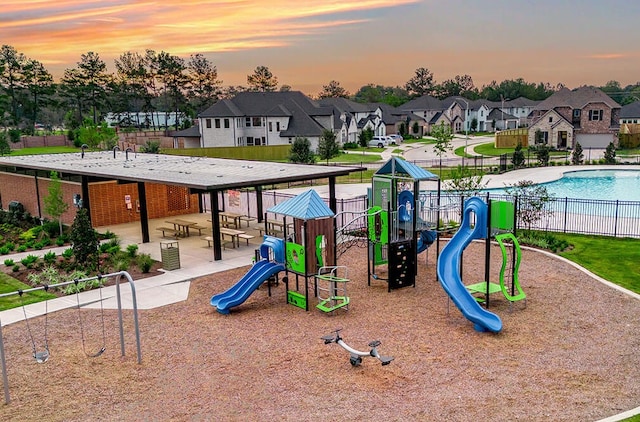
354, 157
614, 259
9, 284
44, 150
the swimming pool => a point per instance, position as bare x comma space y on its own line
623, 185
608, 185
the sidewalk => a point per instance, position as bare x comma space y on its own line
151, 292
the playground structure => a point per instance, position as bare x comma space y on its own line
356, 356
477, 225
398, 227
42, 356
307, 251
271, 263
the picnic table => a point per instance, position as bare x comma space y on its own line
233, 234
230, 219
181, 226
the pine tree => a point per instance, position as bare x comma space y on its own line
54, 204
518, 156
83, 238
577, 157
301, 152
610, 154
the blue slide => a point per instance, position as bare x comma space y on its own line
449, 267
239, 292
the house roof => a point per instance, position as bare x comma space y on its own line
498, 114
397, 166
191, 132
346, 105
306, 206
630, 111
193, 172
576, 99
299, 108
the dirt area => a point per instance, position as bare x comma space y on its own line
570, 354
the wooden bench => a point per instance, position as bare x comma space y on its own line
209, 240
271, 232
172, 232
247, 219
246, 237
199, 228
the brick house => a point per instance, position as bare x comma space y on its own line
585, 115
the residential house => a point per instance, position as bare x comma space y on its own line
354, 117
187, 138
585, 115
265, 118
630, 113
430, 109
519, 108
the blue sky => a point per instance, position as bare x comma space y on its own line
306, 44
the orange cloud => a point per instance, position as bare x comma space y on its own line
611, 56
59, 32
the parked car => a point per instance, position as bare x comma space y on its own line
380, 141
397, 139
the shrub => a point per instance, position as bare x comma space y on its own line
9, 262
132, 250
67, 253
10, 246
144, 262
4, 250
16, 268
29, 260
49, 257
60, 241
21, 248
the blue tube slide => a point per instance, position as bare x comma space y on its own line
239, 292
449, 267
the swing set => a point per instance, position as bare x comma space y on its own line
42, 356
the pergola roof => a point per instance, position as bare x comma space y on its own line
194, 172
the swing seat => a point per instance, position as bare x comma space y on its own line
41, 357
340, 302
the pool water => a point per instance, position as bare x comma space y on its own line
611, 185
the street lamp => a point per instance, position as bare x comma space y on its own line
466, 128
502, 110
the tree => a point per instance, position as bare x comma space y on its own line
394, 96
262, 80
532, 201
11, 78
39, 84
474, 124
365, 136
97, 136
421, 83
577, 156
92, 71
443, 136
333, 90
5, 149
84, 239
204, 89
54, 204
610, 154
542, 154
327, 146
459, 86
301, 152
518, 156
463, 180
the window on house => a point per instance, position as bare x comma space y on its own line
576, 112
217, 121
550, 119
595, 114
208, 121
481, 113
270, 126
256, 122
249, 140
226, 123
247, 122
278, 126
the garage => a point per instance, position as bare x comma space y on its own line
594, 140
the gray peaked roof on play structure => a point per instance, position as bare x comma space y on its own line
399, 167
306, 206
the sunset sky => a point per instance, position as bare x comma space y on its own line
307, 43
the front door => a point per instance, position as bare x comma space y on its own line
562, 139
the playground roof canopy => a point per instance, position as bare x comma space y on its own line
399, 167
193, 172
306, 206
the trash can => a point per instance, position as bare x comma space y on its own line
170, 253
